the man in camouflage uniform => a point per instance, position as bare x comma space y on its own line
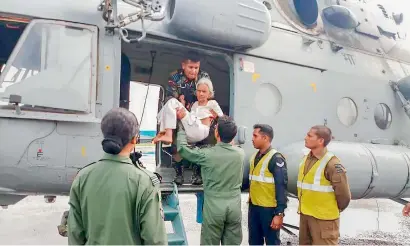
182, 85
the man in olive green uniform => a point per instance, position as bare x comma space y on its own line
323, 191
114, 201
222, 178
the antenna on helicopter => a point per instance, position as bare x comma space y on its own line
153, 10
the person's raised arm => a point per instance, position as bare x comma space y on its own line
192, 125
195, 155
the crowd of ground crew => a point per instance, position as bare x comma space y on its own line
113, 201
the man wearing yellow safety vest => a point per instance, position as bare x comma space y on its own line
323, 191
268, 189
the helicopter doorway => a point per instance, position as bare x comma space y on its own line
144, 102
152, 63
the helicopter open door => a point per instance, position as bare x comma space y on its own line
145, 100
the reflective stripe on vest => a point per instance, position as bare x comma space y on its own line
315, 187
318, 175
261, 177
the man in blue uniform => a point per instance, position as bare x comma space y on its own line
182, 85
268, 180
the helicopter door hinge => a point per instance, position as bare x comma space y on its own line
152, 10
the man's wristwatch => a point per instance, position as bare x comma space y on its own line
281, 214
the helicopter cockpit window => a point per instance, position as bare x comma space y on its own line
51, 67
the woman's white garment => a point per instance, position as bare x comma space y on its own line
212, 104
194, 129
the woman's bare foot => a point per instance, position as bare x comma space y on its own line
164, 137
155, 139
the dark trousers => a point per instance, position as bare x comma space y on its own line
259, 221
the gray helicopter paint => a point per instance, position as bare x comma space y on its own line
293, 72
378, 164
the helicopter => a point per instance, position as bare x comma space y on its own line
289, 63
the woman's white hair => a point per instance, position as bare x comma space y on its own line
207, 82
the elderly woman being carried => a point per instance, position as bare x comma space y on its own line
197, 122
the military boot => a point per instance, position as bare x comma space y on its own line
196, 175
179, 170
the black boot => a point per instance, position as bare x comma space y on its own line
179, 170
196, 175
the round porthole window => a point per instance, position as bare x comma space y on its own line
340, 16
307, 11
382, 116
301, 14
347, 111
268, 99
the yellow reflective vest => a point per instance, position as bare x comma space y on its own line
316, 195
262, 189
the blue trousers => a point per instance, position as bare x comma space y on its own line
259, 220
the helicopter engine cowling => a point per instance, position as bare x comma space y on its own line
373, 170
228, 23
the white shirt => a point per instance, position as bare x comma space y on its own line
194, 129
212, 104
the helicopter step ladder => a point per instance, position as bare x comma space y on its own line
172, 213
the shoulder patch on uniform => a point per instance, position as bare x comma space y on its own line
154, 179
152, 176
280, 164
339, 168
278, 157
